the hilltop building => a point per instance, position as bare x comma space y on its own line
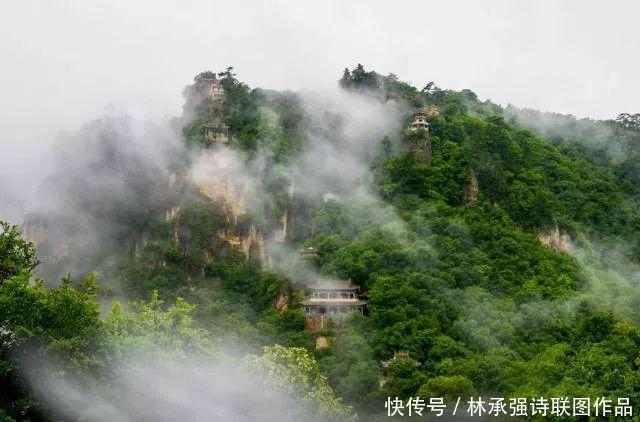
422, 116
419, 120
331, 300
309, 252
213, 86
419, 142
216, 133
217, 91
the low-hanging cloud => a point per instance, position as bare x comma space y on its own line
159, 387
93, 189
342, 135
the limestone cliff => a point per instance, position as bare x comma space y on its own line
472, 189
287, 216
251, 243
172, 213
556, 238
51, 243
217, 177
228, 192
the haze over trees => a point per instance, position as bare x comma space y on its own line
523, 289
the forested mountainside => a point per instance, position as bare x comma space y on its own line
495, 251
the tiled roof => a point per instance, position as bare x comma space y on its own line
334, 285
328, 302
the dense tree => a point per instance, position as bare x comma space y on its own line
464, 287
16, 255
631, 121
295, 371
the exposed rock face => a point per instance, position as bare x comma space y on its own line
471, 193
321, 342
315, 323
556, 238
422, 148
427, 152
287, 217
52, 244
172, 213
226, 192
214, 176
252, 244
219, 178
282, 234
281, 303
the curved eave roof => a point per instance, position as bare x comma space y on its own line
332, 303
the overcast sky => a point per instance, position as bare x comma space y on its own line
64, 62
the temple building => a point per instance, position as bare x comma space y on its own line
421, 117
419, 141
216, 133
217, 91
331, 300
419, 120
309, 252
214, 86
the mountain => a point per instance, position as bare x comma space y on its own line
494, 251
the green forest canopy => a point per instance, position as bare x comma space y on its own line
468, 291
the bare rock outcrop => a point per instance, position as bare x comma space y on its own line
555, 238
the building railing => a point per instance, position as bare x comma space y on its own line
334, 299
